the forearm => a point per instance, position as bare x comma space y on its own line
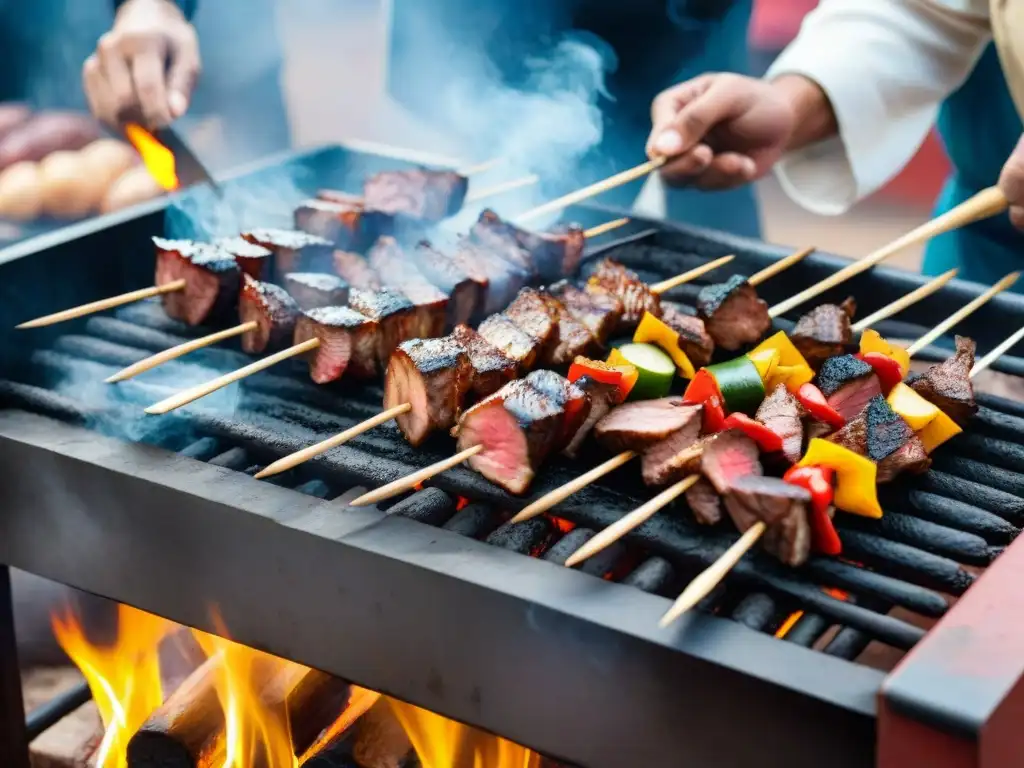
814, 117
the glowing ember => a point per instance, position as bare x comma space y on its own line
359, 703
562, 524
462, 503
124, 678
787, 625
158, 159
838, 594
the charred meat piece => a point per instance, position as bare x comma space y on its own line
534, 315
848, 384
704, 502
883, 436
254, 260
597, 308
395, 315
727, 457
518, 428
783, 415
465, 295
503, 279
512, 341
639, 425
356, 271
431, 304
910, 457
420, 194
567, 396
274, 312
634, 293
294, 251
316, 289
694, 338
674, 457
824, 332
948, 384
500, 239
603, 397
781, 506
212, 280
433, 376
732, 313
491, 368
570, 339
348, 341
343, 220
553, 255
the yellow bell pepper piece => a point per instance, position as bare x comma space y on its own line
939, 430
652, 330
765, 361
856, 477
617, 358
917, 411
792, 369
872, 341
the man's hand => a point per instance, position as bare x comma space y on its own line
145, 68
1011, 181
725, 130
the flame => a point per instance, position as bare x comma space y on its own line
124, 677
418, 486
443, 743
359, 703
158, 159
787, 625
561, 524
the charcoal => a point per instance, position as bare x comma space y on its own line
655, 575
807, 630
1001, 404
201, 450
235, 458
98, 350
474, 520
120, 332
317, 488
602, 564
939, 509
849, 643
1000, 425
980, 472
1006, 505
755, 611
999, 453
967, 548
526, 538
150, 314
430, 505
46, 403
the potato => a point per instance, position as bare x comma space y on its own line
134, 186
70, 189
109, 158
21, 192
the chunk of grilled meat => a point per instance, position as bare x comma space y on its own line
635, 294
421, 193
518, 427
848, 384
512, 341
694, 338
824, 332
500, 239
674, 458
491, 368
704, 502
356, 271
882, 435
597, 308
948, 384
733, 314
781, 506
294, 250
274, 312
343, 220
570, 339
433, 376
603, 397
534, 315
728, 456
465, 295
566, 395
501, 278
911, 458
254, 260
431, 304
348, 341
395, 315
553, 255
316, 289
641, 424
783, 415
212, 280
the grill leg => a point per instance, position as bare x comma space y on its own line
13, 736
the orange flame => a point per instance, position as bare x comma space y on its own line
787, 625
158, 159
124, 678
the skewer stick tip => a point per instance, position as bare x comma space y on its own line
408, 482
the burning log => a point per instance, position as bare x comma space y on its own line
380, 740
71, 743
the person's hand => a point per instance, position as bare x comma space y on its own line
145, 67
721, 130
1011, 181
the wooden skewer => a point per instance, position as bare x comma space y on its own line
594, 189
996, 353
986, 203
608, 226
693, 274
99, 306
194, 393
780, 266
406, 483
479, 168
180, 350
500, 189
905, 301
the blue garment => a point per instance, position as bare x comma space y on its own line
980, 127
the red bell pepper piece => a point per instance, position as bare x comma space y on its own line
887, 370
621, 376
817, 406
703, 390
818, 482
767, 441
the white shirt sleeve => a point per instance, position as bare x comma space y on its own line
886, 66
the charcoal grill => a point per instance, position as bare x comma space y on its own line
436, 600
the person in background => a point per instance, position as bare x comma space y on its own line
836, 132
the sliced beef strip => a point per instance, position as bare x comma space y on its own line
465, 295
212, 280
704, 502
503, 280
492, 369
694, 338
675, 457
433, 376
603, 397
348, 341
394, 313
274, 312
848, 384
294, 250
518, 428
781, 506
567, 396
431, 304
571, 337
597, 308
316, 289
512, 341
422, 194
948, 384
553, 255
733, 314
728, 456
911, 458
638, 425
626, 285
824, 332
535, 316
356, 271
254, 260
343, 220
783, 415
